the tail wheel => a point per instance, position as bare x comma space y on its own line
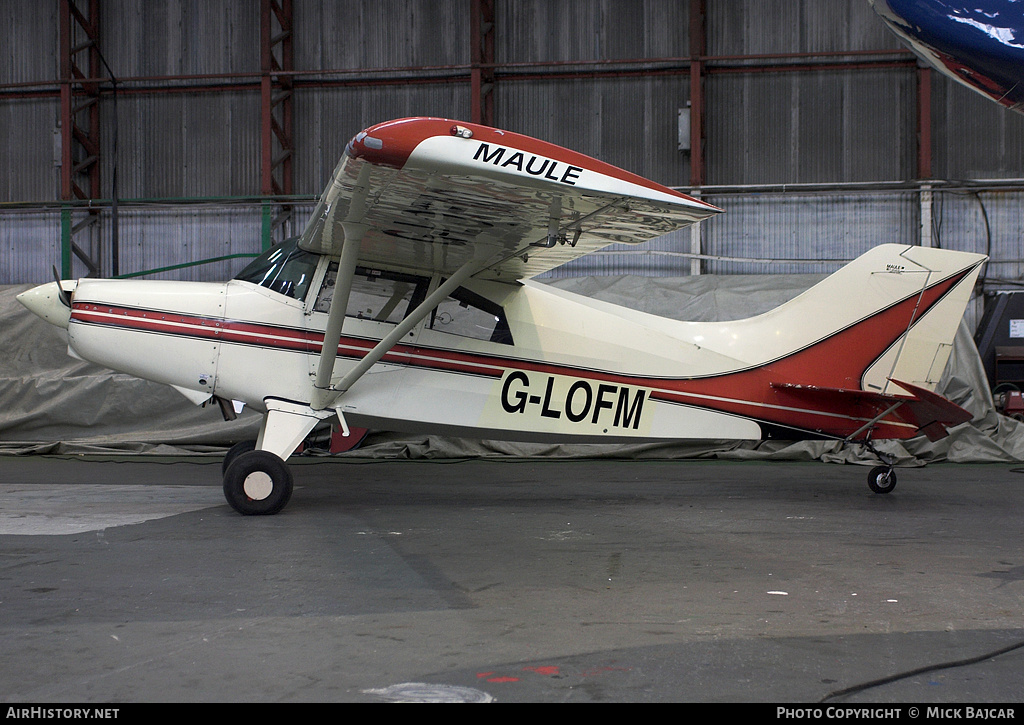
882, 479
257, 483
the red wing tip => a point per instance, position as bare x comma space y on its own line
391, 143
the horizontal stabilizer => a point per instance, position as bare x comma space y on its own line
932, 410
925, 411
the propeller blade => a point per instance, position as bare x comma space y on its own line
63, 295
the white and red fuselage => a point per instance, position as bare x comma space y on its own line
579, 369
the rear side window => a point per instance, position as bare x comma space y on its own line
467, 314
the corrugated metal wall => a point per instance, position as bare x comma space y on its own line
28, 125
787, 123
815, 127
29, 245
756, 27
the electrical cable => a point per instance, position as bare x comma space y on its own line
920, 671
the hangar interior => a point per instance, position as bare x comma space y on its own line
175, 140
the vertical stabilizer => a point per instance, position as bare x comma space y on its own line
919, 356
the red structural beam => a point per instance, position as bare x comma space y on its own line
79, 100
276, 95
413, 75
482, 66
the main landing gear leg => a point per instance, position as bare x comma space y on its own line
257, 481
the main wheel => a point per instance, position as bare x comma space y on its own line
233, 453
882, 479
257, 483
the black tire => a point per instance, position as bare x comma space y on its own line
257, 483
233, 453
882, 479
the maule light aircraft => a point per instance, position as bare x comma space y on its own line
407, 304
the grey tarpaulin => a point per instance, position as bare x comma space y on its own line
52, 403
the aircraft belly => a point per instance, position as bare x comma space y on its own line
689, 423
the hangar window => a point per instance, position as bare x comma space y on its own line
284, 269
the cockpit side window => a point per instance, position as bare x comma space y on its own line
385, 296
376, 295
284, 269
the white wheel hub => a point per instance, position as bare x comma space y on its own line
258, 485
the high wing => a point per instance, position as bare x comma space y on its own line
429, 195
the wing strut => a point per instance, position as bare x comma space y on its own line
336, 314
326, 397
353, 231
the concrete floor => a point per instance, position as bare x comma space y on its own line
131, 580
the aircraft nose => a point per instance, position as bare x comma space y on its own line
50, 302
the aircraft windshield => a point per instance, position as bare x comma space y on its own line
284, 269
